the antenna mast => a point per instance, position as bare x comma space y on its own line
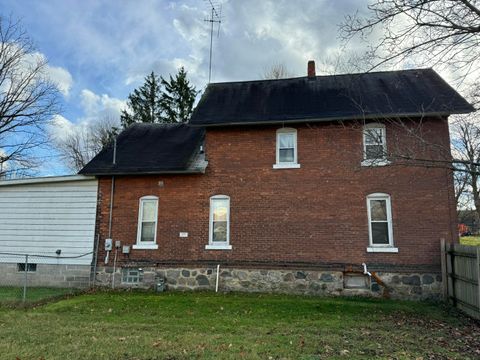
215, 17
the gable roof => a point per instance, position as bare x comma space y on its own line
151, 149
324, 98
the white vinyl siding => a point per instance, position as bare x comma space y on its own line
39, 218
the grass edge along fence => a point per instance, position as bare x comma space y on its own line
32, 277
461, 274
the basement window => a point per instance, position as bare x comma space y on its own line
30, 267
132, 276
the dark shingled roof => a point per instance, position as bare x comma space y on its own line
324, 98
151, 149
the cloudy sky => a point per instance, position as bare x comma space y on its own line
100, 50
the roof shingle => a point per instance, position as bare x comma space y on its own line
151, 149
324, 98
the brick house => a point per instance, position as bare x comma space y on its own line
288, 185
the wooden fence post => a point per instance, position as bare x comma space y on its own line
444, 269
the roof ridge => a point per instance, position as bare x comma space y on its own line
322, 76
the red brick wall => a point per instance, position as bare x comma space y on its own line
316, 214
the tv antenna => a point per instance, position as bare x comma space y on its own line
215, 18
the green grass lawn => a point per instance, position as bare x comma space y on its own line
14, 295
470, 240
135, 325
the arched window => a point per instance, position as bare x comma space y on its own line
374, 144
147, 223
380, 226
286, 149
219, 223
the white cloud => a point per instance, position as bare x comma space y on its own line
95, 108
61, 77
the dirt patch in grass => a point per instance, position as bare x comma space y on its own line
130, 325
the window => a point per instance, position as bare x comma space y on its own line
286, 149
374, 145
219, 227
380, 223
147, 223
30, 267
132, 275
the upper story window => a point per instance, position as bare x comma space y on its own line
219, 224
147, 223
380, 227
286, 149
374, 145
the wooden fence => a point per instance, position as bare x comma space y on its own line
461, 268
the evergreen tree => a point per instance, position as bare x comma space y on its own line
144, 103
177, 98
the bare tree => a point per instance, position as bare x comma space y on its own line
433, 32
466, 146
80, 146
28, 100
276, 71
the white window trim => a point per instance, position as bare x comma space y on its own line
375, 162
381, 247
284, 165
146, 245
215, 245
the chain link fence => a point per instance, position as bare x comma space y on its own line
31, 278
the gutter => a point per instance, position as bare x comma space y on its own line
327, 119
46, 179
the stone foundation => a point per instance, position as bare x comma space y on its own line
307, 282
46, 275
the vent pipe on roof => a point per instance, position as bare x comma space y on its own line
311, 69
114, 151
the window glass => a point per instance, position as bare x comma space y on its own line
286, 141
149, 210
374, 143
219, 220
286, 147
132, 275
219, 231
148, 231
380, 233
378, 209
30, 267
380, 220
147, 221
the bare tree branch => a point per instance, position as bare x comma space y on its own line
28, 100
429, 32
79, 147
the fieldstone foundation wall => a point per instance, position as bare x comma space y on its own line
46, 275
308, 282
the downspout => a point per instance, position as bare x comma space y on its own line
373, 274
112, 189
218, 274
365, 271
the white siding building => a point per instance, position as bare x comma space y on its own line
52, 220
